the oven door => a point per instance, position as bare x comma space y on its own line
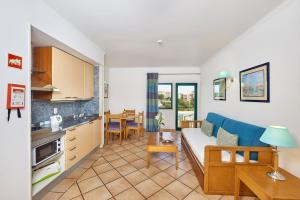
45, 152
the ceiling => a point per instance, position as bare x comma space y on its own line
191, 30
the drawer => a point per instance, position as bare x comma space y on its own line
71, 141
71, 156
71, 133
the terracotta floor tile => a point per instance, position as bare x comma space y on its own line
109, 152
112, 157
177, 189
72, 192
100, 193
185, 165
162, 165
118, 186
139, 164
175, 173
151, 171
195, 196
192, 172
63, 186
78, 198
118, 149
87, 174
103, 168
162, 195
100, 161
210, 197
129, 146
136, 177
147, 188
131, 158
109, 176
94, 156
130, 194
126, 169
135, 149
90, 184
118, 163
162, 179
142, 154
52, 196
227, 197
124, 153
189, 180
76, 173
171, 160
87, 164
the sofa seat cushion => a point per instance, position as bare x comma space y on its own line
198, 140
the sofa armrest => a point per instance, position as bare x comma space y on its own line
191, 123
213, 155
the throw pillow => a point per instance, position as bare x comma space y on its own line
207, 128
225, 138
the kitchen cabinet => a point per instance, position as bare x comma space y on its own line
88, 81
96, 134
55, 68
81, 140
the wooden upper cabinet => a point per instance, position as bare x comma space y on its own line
88, 80
73, 77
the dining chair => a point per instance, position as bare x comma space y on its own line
130, 114
115, 125
137, 125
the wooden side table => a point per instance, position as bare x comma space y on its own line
255, 178
155, 145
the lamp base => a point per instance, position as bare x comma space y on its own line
276, 176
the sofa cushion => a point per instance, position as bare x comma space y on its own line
207, 128
248, 134
216, 120
225, 138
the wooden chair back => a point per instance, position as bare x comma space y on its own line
129, 113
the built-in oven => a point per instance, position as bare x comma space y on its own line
46, 151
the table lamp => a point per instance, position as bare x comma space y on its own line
277, 136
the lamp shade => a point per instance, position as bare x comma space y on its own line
278, 136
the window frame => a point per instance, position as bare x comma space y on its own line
171, 84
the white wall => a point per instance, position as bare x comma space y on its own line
15, 143
275, 39
128, 87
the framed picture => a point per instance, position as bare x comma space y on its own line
165, 96
220, 89
105, 90
255, 84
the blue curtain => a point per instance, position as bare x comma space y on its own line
152, 102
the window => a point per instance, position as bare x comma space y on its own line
165, 96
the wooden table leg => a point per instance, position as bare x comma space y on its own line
176, 154
237, 187
148, 158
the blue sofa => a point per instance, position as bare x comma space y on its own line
215, 174
248, 134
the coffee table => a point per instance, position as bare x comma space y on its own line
156, 145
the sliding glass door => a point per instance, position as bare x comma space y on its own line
186, 102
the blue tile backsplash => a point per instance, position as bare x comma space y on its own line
41, 110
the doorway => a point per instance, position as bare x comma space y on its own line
186, 102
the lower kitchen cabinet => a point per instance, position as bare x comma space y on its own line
80, 141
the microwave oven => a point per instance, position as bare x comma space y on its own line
46, 151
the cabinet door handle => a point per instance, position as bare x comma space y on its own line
73, 158
72, 139
73, 148
73, 129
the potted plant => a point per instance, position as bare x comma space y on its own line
160, 120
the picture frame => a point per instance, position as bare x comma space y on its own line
219, 89
106, 90
255, 83
165, 95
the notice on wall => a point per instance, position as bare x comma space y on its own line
14, 61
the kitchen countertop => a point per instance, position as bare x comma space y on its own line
45, 134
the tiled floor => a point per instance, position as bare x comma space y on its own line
119, 172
